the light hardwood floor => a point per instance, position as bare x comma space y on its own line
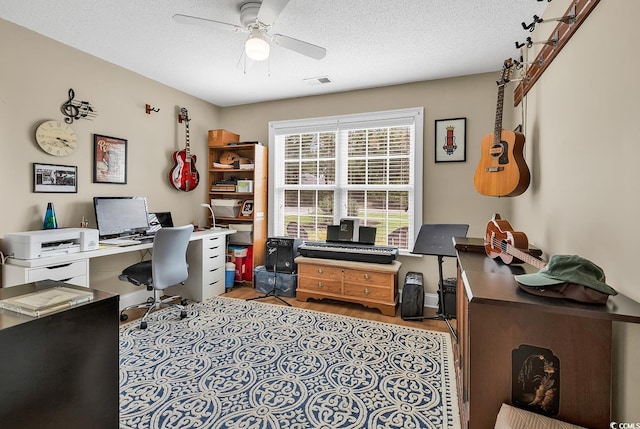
336, 307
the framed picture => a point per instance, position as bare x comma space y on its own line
451, 140
55, 178
246, 209
109, 159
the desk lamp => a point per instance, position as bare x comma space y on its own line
213, 216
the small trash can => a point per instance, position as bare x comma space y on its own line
230, 274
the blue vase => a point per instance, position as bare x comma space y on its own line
50, 221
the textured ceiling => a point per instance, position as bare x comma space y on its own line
369, 43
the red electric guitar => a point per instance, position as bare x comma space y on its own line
502, 241
184, 176
502, 170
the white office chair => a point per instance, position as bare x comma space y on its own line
167, 267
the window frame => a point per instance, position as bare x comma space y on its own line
338, 123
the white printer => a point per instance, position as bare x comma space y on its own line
50, 242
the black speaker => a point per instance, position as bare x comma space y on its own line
281, 252
412, 306
367, 234
449, 303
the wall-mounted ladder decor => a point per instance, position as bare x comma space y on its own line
567, 25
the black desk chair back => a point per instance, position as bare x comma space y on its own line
167, 267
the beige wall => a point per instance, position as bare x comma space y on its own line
581, 130
449, 195
35, 76
582, 147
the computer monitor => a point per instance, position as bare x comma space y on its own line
121, 216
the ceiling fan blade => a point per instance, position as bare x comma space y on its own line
304, 48
209, 23
270, 10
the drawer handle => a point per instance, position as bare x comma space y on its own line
367, 276
320, 271
320, 285
55, 267
367, 291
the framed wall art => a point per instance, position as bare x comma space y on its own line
109, 159
246, 209
451, 140
55, 178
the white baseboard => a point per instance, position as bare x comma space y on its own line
430, 299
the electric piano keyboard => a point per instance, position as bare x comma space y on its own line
349, 252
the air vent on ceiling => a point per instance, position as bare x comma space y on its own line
318, 80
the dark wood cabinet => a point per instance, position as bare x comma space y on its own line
496, 318
60, 370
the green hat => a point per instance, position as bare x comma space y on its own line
568, 269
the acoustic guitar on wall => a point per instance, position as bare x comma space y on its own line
502, 170
184, 176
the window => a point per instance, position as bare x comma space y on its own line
367, 166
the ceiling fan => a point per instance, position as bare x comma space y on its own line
256, 19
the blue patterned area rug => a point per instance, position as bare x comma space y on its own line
245, 364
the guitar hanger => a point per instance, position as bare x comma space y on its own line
569, 18
521, 62
148, 109
566, 26
553, 42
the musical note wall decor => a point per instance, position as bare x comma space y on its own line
76, 109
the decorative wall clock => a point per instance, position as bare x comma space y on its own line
56, 138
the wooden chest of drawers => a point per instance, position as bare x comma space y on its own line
372, 285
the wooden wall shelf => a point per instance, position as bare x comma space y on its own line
560, 36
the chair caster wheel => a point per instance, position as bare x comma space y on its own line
123, 317
183, 314
143, 325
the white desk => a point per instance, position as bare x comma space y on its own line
206, 256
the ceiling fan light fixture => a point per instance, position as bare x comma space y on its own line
256, 47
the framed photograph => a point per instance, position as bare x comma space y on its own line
109, 159
55, 178
451, 140
246, 209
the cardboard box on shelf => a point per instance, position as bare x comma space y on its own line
222, 138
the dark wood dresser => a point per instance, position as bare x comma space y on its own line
60, 370
496, 321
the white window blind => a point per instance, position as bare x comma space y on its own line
367, 166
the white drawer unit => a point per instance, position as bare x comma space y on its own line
75, 272
206, 269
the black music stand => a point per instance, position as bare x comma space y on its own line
437, 240
273, 292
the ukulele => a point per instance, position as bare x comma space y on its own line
502, 170
500, 240
184, 176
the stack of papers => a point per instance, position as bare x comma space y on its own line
46, 301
